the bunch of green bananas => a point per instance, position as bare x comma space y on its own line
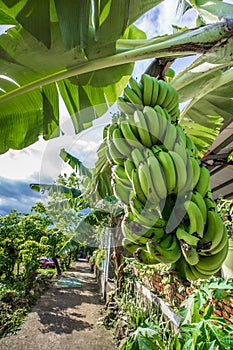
170, 216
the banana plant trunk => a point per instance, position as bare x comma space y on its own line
57, 265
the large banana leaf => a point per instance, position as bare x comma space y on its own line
69, 246
68, 192
212, 11
87, 230
80, 58
48, 41
75, 163
206, 90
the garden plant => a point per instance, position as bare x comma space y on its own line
149, 187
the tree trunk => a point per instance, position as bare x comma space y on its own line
57, 265
117, 252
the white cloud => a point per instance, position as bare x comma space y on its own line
21, 164
148, 21
159, 21
167, 16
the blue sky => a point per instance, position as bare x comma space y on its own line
40, 163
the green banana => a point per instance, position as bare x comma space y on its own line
129, 233
184, 236
167, 241
167, 115
212, 263
181, 134
119, 172
180, 170
188, 187
121, 144
163, 86
155, 92
125, 182
135, 226
147, 83
163, 122
147, 152
171, 245
170, 137
190, 254
157, 176
214, 230
131, 96
169, 170
130, 137
145, 216
113, 155
143, 131
143, 256
152, 121
181, 150
130, 120
196, 222
130, 246
137, 157
172, 98
147, 185
167, 252
121, 192
189, 272
158, 234
137, 189
201, 275
217, 248
196, 170
191, 148
110, 130
129, 167
209, 194
124, 106
179, 267
210, 204
199, 200
174, 113
136, 87
155, 233
204, 181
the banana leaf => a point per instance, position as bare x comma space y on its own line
47, 40
212, 11
87, 62
205, 92
68, 192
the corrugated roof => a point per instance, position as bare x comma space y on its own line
215, 159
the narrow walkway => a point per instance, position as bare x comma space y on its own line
65, 317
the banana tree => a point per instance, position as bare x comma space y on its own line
84, 52
103, 210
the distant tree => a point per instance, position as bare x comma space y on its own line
10, 238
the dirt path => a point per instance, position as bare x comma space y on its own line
65, 317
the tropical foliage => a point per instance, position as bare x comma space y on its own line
24, 238
85, 54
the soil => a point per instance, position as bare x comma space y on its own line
65, 317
